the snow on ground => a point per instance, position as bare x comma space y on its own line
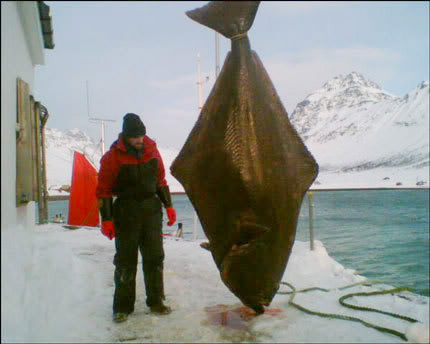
57, 286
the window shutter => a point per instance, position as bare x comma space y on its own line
25, 165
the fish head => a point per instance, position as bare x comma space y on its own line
252, 269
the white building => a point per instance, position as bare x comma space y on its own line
26, 30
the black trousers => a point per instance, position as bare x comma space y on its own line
138, 226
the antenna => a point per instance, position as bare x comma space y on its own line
96, 120
88, 101
200, 83
200, 95
216, 54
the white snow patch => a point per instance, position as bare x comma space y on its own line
57, 286
418, 333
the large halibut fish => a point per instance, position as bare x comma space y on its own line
243, 166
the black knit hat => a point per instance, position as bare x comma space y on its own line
133, 126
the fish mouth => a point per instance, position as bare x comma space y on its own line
250, 233
242, 272
239, 249
238, 275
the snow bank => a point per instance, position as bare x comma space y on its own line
418, 333
46, 288
57, 286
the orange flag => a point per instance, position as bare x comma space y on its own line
83, 207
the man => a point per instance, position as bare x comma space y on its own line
180, 231
133, 171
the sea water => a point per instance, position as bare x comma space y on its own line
382, 234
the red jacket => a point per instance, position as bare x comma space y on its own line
117, 156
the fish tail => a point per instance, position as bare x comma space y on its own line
229, 18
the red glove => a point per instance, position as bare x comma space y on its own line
171, 214
108, 229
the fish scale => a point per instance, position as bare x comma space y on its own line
243, 166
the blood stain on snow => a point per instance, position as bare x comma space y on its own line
236, 318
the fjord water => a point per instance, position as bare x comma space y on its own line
381, 234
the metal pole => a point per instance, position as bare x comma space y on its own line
195, 226
199, 84
88, 102
216, 54
39, 161
311, 220
101, 120
103, 138
200, 100
44, 214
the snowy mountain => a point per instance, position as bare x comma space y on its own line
351, 125
59, 158
360, 135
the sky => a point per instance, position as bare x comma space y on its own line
141, 57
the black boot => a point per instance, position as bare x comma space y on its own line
161, 309
125, 290
154, 286
119, 317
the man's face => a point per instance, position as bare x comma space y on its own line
136, 142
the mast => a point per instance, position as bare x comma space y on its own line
102, 134
200, 106
216, 55
199, 84
88, 101
102, 122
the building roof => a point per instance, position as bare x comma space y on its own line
46, 23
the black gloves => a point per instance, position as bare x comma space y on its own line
105, 205
163, 193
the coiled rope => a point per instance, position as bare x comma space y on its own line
341, 301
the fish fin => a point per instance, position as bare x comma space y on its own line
250, 231
205, 245
229, 18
